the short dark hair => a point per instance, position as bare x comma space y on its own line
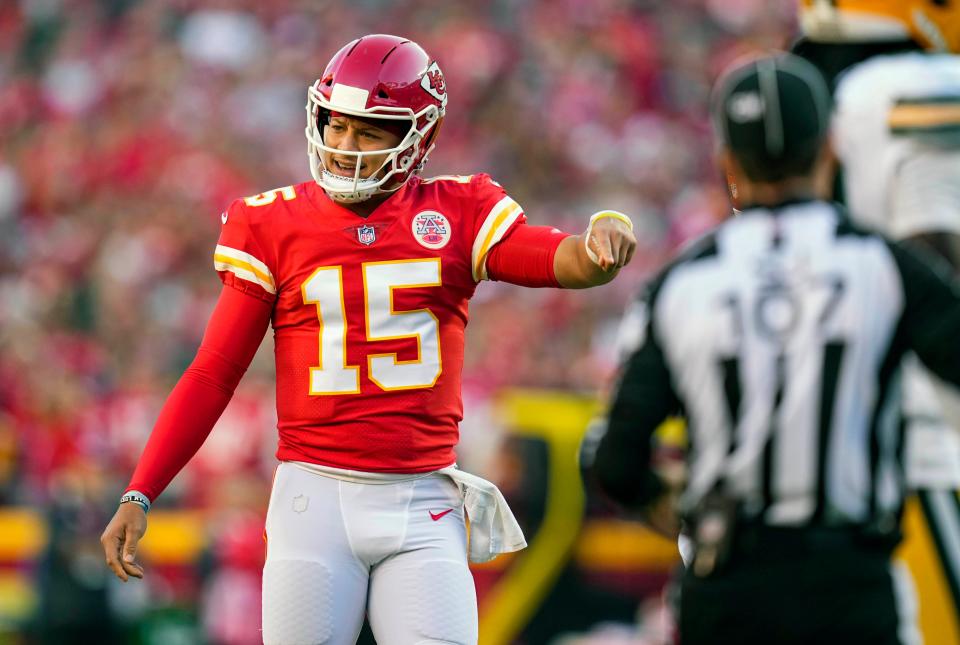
773, 113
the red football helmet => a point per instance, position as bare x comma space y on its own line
379, 77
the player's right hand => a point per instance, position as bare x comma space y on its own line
120, 540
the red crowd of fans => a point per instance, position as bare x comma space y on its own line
127, 126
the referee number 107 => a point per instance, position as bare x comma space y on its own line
778, 313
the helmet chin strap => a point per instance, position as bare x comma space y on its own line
351, 192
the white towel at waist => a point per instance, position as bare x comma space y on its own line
493, 528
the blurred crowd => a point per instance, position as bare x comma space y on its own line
127, 126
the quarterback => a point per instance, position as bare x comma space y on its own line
364, 274
896, 132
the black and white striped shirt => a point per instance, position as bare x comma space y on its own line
779, 338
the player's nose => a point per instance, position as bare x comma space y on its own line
348, 141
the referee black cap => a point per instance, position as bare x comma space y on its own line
773, 113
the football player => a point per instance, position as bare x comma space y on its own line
897, 135
364, 275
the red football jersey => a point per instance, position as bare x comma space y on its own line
368, 314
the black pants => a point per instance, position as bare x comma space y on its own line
772, 595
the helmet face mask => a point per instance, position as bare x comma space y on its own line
376, 78
933, 24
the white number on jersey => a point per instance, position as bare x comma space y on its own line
324, 288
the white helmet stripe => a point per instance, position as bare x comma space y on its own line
350, 97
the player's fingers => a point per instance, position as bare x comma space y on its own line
626, 250
133, 569
616, 246
603, 249
620, 245
130, 554
112, 542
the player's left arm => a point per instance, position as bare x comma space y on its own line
595, 256
506, 248
542, 256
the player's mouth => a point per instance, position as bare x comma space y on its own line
346, 168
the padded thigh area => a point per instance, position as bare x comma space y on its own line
445, 603
423, 602
300, 602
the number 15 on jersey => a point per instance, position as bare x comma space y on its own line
324, 289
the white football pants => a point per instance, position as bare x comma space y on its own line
395, 550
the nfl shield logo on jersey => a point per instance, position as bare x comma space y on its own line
431, 229
366, 235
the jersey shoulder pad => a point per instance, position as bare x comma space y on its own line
242, 254
929, 104
447, 188
270, 197
454, 179
482, 180
496, 213
883, 80
261, 212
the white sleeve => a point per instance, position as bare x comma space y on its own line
896, 130
925, 195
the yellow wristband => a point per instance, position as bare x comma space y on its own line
614, 214
597, 216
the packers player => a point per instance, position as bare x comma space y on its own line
896, 132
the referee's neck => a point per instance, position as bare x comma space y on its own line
817, 183
771, 195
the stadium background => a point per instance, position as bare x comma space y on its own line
127, 126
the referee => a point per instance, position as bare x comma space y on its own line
779, 338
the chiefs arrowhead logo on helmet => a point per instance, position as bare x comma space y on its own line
434, 84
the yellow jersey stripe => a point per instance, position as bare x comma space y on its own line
243, 256
487, 225
924, 116
493, 236
244, 270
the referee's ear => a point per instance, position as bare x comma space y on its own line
733, 176
824, 171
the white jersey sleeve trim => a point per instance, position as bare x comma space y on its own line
498, 221
926, 191
244, 266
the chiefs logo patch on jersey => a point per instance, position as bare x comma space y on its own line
431, 229
433, 83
